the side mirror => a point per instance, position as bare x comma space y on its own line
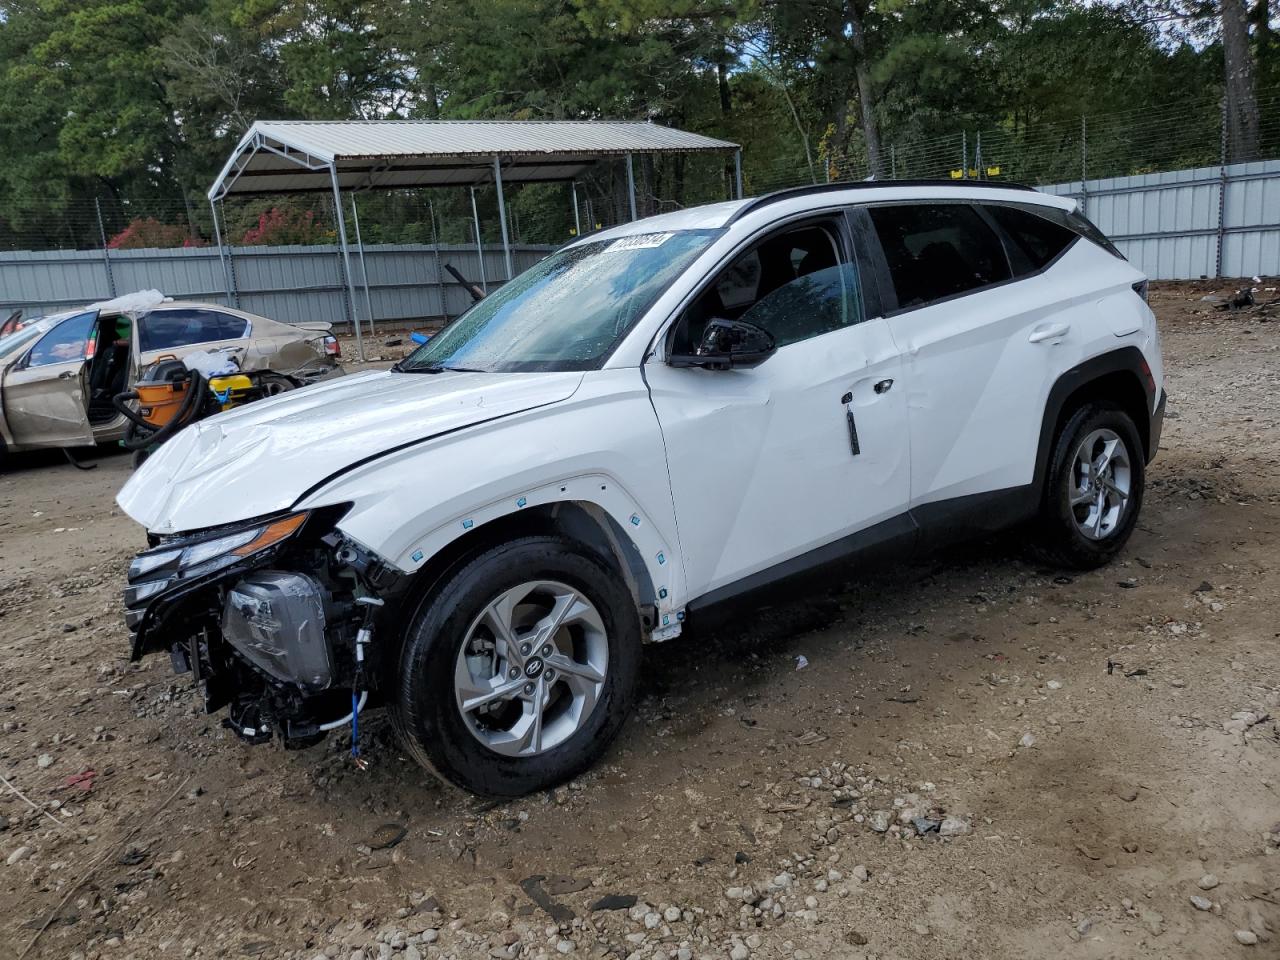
727, 344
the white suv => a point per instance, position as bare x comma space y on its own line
652, 421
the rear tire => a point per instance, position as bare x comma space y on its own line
1094, 488
274, 384
520, 669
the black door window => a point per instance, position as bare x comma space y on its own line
935, 251
795, 284
169, 329
68, 341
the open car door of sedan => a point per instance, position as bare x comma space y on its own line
44, 400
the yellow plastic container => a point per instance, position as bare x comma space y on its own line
231, 390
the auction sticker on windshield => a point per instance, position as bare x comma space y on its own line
641, 241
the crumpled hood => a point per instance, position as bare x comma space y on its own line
262, 457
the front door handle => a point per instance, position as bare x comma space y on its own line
65, 375
854, 446
1054, 331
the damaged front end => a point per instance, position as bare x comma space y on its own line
273, 617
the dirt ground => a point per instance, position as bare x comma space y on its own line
1103, 747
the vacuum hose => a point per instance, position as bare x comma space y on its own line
141, 434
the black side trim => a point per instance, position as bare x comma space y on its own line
1157, 427
877, 286
886, 539
946, 522
822, 188
1125, 360
930, 526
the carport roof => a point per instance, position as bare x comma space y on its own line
285, 156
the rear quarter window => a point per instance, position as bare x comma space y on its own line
1037, 240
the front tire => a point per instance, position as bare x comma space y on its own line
1094, 489
520, 670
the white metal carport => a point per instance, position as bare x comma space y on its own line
297, 156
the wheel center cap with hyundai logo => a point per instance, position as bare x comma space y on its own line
533, 668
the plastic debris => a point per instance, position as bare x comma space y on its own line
212, 363
129, 302
801, 661
80, 781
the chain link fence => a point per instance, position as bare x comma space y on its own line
1138, 141
1177, 136
1132, 142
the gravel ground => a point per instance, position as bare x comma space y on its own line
1093, 759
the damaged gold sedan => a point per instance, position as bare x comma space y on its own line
59, 374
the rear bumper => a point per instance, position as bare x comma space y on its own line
1157, 427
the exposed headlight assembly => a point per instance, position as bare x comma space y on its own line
184, 560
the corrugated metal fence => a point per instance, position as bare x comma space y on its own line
1207, 222
407, 282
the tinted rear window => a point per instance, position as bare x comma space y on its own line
1036, 238
935, 251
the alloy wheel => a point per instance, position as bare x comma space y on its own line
1101, 484
531, 668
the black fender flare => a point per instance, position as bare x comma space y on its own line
1125, 360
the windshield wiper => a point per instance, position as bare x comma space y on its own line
434, 369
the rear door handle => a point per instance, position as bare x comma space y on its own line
884, 386
1055, 331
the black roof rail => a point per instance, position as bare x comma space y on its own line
769, 198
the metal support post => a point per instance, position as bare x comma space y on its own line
475, 216
737, 170
1084, 166
346, 259
222, 253
577, 221
106, 253
631, 187
502, 216
1223, 182
364, 268
435, 252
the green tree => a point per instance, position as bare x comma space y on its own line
337, 59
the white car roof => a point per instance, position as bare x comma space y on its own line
713, 216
